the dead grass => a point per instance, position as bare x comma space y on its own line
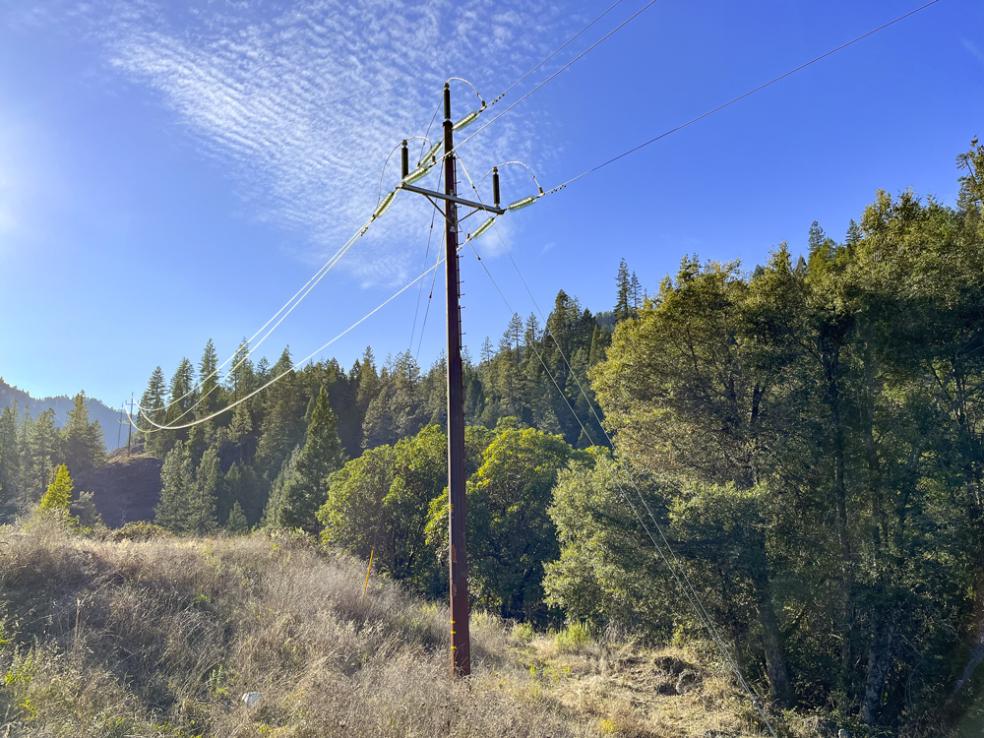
161, 637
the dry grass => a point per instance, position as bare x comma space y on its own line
160, 638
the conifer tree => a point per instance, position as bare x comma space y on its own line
180, 394
58, 497
83, 446
623, 305
236, 522
202, 500
42, 449
241, 375
302, 487
177, 483
10, 453
208, 390
153, 402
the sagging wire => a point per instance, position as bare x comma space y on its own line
535, 68
738, 98
307, 359
300, 295
266, 329
684, 583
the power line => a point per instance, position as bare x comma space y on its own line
682, 579
742, 96
277, 318
564, 68
298, 297
307, 358
536, 67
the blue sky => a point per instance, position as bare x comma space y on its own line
172, 173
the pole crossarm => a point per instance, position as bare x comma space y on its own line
452, 198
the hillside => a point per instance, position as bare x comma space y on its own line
107, 418
125, 489
161, 638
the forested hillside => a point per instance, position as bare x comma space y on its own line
61, 406
797, 476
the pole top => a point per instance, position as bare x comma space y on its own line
447, 101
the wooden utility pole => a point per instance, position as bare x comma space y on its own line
129, 428
457, 555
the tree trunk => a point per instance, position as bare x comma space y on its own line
879, 663
775, 657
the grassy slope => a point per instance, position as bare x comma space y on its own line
160, 638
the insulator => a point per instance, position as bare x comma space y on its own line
482, 228
525, 202
381, 208
470, 118
404, 159
431, 153
417, 173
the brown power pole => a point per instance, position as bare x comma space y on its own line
458, 560
460, 638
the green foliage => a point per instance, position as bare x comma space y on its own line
510, 535
58, 497
573, 637
83, 447
188, 493
301, 488
237, 522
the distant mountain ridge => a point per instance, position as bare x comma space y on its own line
107, 418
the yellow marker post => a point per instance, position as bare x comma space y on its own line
365, 585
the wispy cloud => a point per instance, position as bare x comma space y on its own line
303, 103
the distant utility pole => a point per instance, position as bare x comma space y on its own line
457, 555
129, 428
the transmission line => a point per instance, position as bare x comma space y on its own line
681, 577
306, 359
742, 96
560, 71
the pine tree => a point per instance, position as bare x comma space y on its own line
181, 395
635, 293
236, 522
58, 497
241, 375
153, 403
623, 306
41, 448
10, 453
302, 487
177, 484
202, 500
242, 486
83, 446
209, 387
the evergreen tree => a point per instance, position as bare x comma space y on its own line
241, 375
83, 447
10, 454
42, 448
177, 488
236, 522
181, 393
152, 401
58, 497
208, 390
302, 487
623, 296
202, 500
